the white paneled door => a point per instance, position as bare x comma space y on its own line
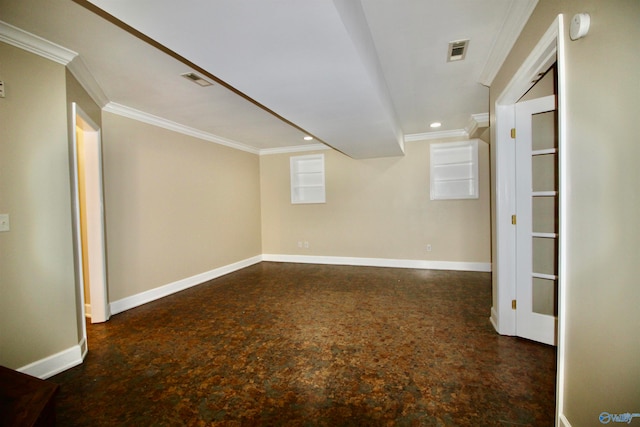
536, 220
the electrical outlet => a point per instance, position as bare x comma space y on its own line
1, 89
306, 245
299, 243
4, 222
429, 248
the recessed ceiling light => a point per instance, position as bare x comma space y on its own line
196, 79
435, 125
308, 138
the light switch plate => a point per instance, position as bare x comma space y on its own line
4, 222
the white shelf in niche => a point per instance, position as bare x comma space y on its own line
544, 152
307, 179
454, 170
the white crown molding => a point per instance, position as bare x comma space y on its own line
477, 121
514, 21
141, 116
481, 119
294, 149
49, 50
79, 69
35, 44
426, 136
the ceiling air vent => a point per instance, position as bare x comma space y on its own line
457, 50
196, 79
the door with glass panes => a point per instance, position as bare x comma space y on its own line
536, 220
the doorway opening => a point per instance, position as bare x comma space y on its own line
89, 228
549, 50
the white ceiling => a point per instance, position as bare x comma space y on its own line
361, 76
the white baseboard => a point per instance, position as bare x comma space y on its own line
381, 262
494, 318
56, 363
74, 356
84, 348
180, 285
563, 421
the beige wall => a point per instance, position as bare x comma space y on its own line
37, 288
176, 206
376, 208
602, 345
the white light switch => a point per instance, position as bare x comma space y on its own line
4, 222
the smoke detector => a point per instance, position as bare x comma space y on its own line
457, 50
196, 79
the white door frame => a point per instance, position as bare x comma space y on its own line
549, 49
98, 288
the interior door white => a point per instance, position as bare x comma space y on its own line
537, 220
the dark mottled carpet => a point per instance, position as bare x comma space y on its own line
299, 344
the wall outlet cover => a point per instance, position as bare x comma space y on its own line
4, 222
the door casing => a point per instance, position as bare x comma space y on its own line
99, 301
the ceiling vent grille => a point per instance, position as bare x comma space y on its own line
457, 50
196, 79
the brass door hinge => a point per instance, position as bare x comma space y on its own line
513, 219
513, 304
513, 133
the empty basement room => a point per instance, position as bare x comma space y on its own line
328, 213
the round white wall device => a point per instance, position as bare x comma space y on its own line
579, 26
